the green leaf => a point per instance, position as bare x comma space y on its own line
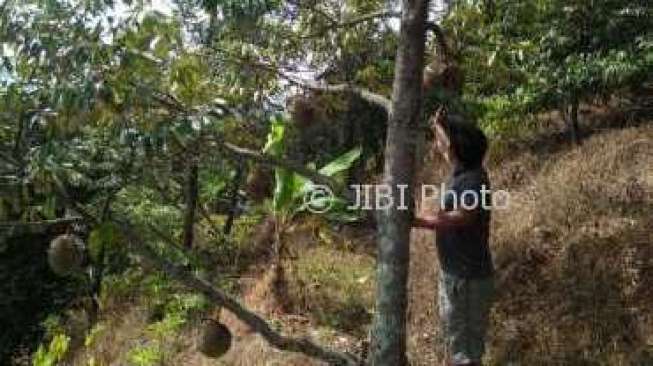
275, 144
341, 163
289, 188
49, 207
55, 352
103, 238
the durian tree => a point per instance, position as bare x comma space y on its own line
107, 100
523, 58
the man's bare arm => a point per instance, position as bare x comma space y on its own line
443, 220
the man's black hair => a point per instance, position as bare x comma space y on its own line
468, 141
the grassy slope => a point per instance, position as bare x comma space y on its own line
574, 254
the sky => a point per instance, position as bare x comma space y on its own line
164, 6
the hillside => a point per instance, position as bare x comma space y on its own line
574, 254
175, 179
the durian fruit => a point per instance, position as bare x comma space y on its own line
215, 340
66, 254
259, 183
302, 110
307, 110
440, 74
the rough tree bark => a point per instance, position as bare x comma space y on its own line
388, 345
191, 205
574, 130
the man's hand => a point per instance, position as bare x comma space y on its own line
425, 222
443, 220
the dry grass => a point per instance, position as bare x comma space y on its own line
322, 290
574, 255
115, 336
334, 290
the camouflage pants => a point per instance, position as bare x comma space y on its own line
464, 306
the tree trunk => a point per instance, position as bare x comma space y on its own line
574, 131
233, 199
191, 205
388, 345
97, 272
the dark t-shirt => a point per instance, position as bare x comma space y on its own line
464, 251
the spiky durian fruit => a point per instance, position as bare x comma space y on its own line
259, 184
215, 340
66, 254
302, 110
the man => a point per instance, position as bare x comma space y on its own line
466, 284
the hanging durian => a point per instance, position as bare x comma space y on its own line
259, 184
66, 254
215, 340
302, 110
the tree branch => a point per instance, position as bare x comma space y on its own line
381, 14
186, 277
13, 228
258, 324
42, 223
166, 197
271, 160
296, 167
363, 93
371, 16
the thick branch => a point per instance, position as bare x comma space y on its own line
371, 16
16, 228
43, 223
186, 277
258, 324
298, 168
363, 93
381, 14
